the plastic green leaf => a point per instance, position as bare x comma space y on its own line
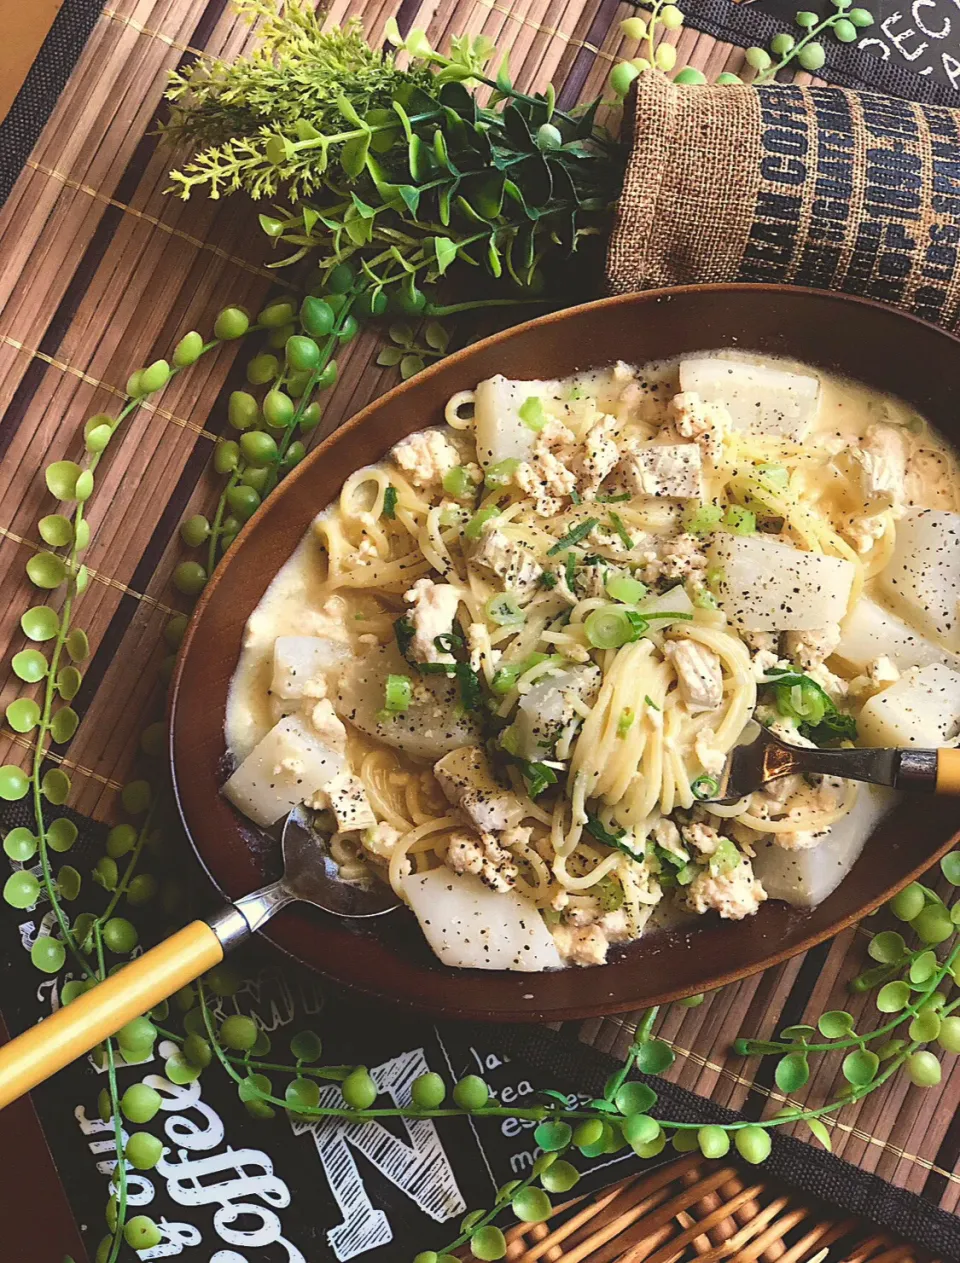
20, 845
46, 570
887, 947
445, 251
860, 1067
21, 890
390, 356
29, 665
82, 579
40, 623
272, 227
819, 1130
302, 1094
792, 1072
635, 1098
391, 33
925, 1026
180, 1071
806, 19
23, 715
14, 782
78, 645
893, 997
61, 834
353, 156
97, 437
61, 478
436, 336
82, 534
835, 1024
55, 530
69, 680
955, 914
923, 968
890, 1048
48, 954
654, 1056
64, 724
797, 1034
553, 1135
950, 867
55, 786
84, 488
306, 1046
410, 365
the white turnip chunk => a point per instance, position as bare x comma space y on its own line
768, 586
288, 766
469, 926
501, 432
300, 664
921, 709
922, 578
871, 631
761, 400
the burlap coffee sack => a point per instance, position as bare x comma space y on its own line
806, 186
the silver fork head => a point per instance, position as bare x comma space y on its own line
311, 874
757, 758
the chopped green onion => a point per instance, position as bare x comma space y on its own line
575, 496
703, 519
650, 702
613, 625
390, 497
740, 521
598, 829
625, 722
449, 642
452, 515
576, 391
774, 476
501, 474
800, 698
704, 599
715, 575
404, 631
618, 499
725, 858
684, 876
573, 536
398, 693
531, 413
624, 587
538, 777
475, 525
504, 610
616, 521
469, 682
570, 569
548, 579
509, 741
610, 893
705, 787
458, 483
506, 677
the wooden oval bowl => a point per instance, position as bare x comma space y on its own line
390, 961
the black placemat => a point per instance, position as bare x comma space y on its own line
911, 50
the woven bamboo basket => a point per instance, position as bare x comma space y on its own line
693, 1209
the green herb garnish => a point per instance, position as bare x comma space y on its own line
573, 536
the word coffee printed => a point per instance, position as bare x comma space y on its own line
238, 1190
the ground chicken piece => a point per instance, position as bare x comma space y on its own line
482, 653
801, 840
734, 895
766, 660
381, 840
467, 782
434, 607
598, 456
787, 731
768, 641
666, 834
835, 687
810, 648
560, 900
327, 725
349, 803
426, 457
712, 760
703, 837
882, 458
682, 557
510, 561
705, 423
663, 469
699, 674
483, 856
586, 945
883, 671
548, 475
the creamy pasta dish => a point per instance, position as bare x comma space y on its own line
507, 665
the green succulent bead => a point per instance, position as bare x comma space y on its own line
310, 418
188, 350
120, 935
278, 409
690, 75
141, 889
255, 478
143, 1152
293, 455
297, 383
812, 56
243, 502
428, 1091
277, 339
239, 1032
316, 316
471, 1093
328, 377
140, 1103
671, 17
226, 456
340, 279
277, 314
358, 1088
262, 368
195, 530
141, 1233
781, 43
190, 578
258, 448
349, 328
370, 303
154, 377
302, 353
231, 323
243, 411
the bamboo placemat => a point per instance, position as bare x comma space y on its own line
100, 272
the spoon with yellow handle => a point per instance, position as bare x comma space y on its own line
309, 875
762, 757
